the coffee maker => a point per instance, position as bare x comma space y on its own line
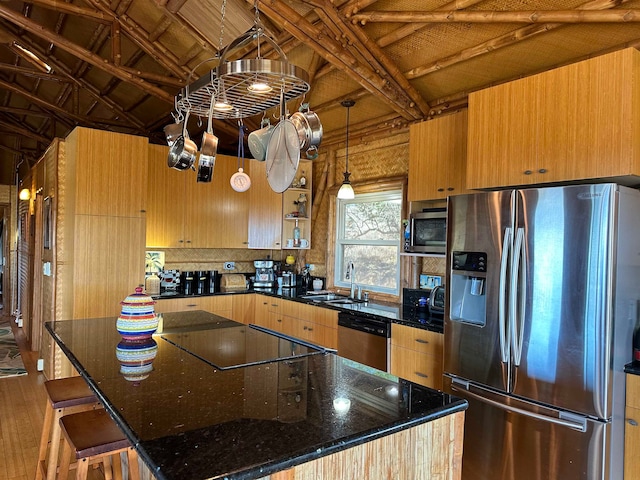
265, 276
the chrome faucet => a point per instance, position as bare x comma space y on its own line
351, 275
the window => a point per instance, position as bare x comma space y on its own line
368, 234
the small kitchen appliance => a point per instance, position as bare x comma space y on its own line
427, 231
186, 282
265, 276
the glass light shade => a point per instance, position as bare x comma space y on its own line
24, 194
222, 107
346, 191
259, 87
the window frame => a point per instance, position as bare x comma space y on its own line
391, 193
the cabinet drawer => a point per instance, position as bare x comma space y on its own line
633, 391
417, 339
417, 367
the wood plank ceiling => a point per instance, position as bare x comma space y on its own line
118, 65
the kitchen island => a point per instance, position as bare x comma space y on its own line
220, 399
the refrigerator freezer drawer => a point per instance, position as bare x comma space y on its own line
507, 439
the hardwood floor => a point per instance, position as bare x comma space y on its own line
22, 402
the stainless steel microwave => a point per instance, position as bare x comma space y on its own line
427, 231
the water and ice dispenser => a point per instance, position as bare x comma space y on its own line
468, 287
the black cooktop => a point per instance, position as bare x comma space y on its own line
227, 345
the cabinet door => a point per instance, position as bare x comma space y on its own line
265, 212
437, 157
243, 308
109, 173
416, 367
165, 201
632, 428
223, 222
503, 135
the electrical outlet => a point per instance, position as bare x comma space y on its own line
229, 265
312, 266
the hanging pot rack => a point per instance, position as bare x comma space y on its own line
229, 82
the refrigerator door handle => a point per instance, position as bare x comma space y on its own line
564, 419
518, 296
502, 304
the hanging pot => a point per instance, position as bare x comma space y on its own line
308, 126
208, 151
283, 152
173, 132
259, 139
183, 152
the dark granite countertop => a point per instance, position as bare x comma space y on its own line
394, 312
632, 368
218, 404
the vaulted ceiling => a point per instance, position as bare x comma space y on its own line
118, 65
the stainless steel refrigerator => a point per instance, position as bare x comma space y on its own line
542, 298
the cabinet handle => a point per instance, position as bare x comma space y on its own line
450, 189
192, 305
542, 170
528, 172
188, 241
180, 241
279, 320
441, 189
421, 375
419, 340
632, 422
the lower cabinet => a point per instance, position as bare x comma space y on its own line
310, 323
219, 304
416, 355
632, 428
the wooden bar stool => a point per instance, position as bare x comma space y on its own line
65, 395
93, 437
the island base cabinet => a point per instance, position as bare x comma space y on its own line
427, 451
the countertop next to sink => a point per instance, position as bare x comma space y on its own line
394, 312
189, 419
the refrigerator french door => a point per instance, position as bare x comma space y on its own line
542, 300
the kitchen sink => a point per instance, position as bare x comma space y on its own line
339, 301
322, 298
331, 299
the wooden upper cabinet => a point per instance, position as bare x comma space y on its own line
165, 201
577, 122
106, 169
265, 213
437, 157
184, 213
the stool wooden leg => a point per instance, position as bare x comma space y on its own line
55, 445
44, 440
117, 466
132, 456
65, 462
82, 469
107, 465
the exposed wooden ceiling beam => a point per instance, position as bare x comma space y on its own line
12, 127
25, 111
69, 8
502, 41
333, 52
535, 16
28, 72
83, 54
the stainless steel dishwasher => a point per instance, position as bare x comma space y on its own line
364, 339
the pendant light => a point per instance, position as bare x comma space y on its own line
346, 190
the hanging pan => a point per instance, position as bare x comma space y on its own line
183, 152
208, 151
283, 152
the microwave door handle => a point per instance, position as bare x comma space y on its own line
502, 305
